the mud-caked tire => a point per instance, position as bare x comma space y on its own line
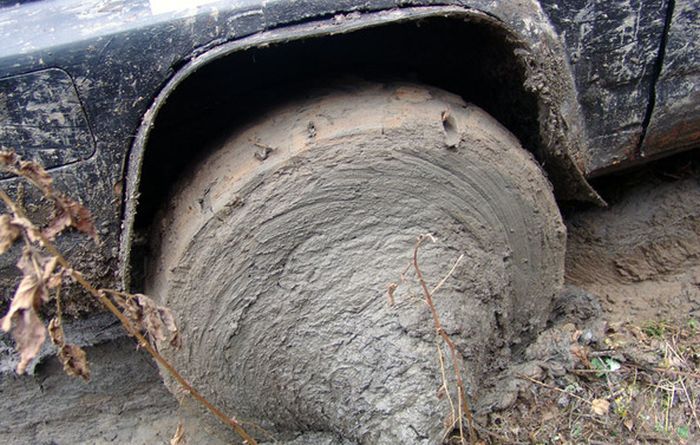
277, 249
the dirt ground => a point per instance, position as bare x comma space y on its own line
618, 363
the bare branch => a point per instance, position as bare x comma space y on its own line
463, 404
25, 314
449, 274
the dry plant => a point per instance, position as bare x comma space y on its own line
640, 384
44, 270
462, 410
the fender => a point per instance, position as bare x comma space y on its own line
537, 49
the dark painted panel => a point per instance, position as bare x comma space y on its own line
121, 55
41, 117
613, 47
675, 122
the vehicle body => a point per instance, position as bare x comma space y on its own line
615, 84
118, 98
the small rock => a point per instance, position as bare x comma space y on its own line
586, 338
563, 401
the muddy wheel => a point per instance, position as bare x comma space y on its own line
276, 255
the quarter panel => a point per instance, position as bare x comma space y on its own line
120, 56
675, 121
40, 112
613, 46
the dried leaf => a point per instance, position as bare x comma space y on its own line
629, 423
57, 225
8, 233
600, 406
179, 437
29, 334
390, 292
29, 294
56, 333
581, 353
8, 158
33, 266
73, 357
55, 280
49, 268
81, 219
29, 228
27, 329
35, 173
41, 268
156, 319
25, 263
74, 361
70, 214
169, 322
22, 319
51, 278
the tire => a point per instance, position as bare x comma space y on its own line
276, 253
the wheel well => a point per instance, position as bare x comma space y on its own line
472, 58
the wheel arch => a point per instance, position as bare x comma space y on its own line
538, 102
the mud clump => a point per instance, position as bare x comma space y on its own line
282, 271
642, 255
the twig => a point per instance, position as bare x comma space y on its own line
672, 372
439, 285
669, 403
502, 439
77, 276
674, 352
59, 309
602, 353
441, 359
563, 391
594, 371
691, 403
463, 404
391, 288
461, 401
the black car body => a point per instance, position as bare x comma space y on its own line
116, 97
121, 100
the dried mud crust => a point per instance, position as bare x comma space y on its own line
277, 251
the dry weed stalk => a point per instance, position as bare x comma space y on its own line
44, 268
463, 408
634, 401
554, 388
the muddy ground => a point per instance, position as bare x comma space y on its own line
624, 341
620, 363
